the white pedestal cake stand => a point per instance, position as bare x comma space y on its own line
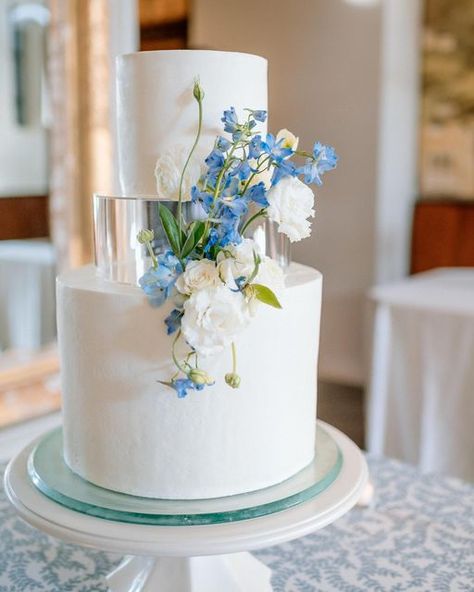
204, 558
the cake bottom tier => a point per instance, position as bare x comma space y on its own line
125, 431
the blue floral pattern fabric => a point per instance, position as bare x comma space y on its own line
417, 536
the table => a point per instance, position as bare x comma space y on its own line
417, 536
27, 294
420, 405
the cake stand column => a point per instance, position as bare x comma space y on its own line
238, 572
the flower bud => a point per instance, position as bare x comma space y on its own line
289, 140
198, 93
200, 377
232, 379
145, 236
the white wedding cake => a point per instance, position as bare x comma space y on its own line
124, 427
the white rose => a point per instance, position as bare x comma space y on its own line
237, 261
168, 169
289, 139
291, 204
212, 319
198, 275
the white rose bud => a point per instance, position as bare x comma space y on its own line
200, 377
289, 139
198, 275
232, 379
212, 319
291, 206
168, 169
145, 236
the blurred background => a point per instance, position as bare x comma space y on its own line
389, 83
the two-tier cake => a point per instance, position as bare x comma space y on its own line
125, 429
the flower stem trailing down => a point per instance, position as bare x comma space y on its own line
232, 378
198, 94
216, 276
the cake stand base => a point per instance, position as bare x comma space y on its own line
198, 558
238, 572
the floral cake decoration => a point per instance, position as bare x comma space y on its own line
214, 274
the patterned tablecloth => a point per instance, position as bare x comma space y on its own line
418, 535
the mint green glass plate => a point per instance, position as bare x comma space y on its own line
53, 478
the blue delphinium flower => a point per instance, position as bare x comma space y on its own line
255, 147
230, 121
233, 206
182, 385
215, 161
259, 115
324, 159
158, 281
229, 231
242, 170
223, 144
231, 203
173, 321
201, 197
212, 240
275, 149
326, 156
283, 169
257, 193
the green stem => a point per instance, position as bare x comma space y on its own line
173, 354
253, 175
304, 153
258, 214
181, 180
234, 358
154, 260
224, 169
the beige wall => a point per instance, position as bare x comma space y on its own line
324, 83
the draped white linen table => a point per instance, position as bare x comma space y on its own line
420, 405
27, 294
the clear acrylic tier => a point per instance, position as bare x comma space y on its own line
121, 258
50, 474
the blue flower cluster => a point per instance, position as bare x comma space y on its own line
158, 282
229, 187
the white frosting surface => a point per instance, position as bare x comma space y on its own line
125, 431
157, 112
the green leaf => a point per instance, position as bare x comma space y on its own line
256, 262
196, 230
265, 295
171, 228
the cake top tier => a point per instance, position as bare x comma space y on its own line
157, 115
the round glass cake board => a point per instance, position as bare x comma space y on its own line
51, 475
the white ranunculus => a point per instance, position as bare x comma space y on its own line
289, 139
237, 261
168, 169
198, 275
213, 317
291, 206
